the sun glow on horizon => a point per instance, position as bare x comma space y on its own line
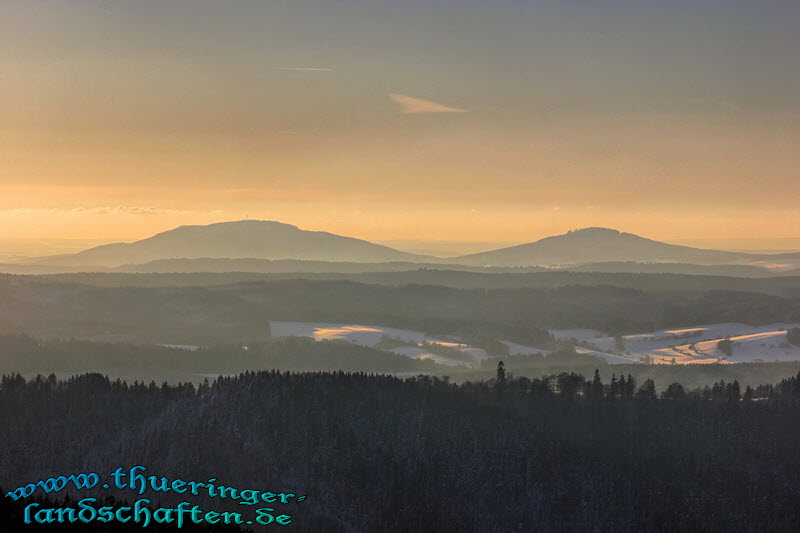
525, 121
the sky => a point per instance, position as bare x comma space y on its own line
401, 121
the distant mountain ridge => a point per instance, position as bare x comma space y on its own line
592, 245
239, 239
243, 244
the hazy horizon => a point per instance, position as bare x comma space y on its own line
16, 249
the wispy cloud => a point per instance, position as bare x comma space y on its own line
95, 210
409, 104
127, 210
309, 69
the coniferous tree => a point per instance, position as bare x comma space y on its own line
500, 380
596, 388
747, 397
674, 392
733, 392
630, 386
613, 388
648, 390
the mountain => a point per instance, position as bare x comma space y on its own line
256, 239
591, 245
245, 245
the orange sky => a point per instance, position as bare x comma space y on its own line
367, 119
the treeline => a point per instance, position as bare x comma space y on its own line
640, 276
572, 385
691, 376
376, 453
25, 355
29, 356
522, 314
232, 313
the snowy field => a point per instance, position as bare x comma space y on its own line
765, 346
188, 347
696, 345
374, 336
692, 344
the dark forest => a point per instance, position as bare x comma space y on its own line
377, 453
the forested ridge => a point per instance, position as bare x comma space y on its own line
239, 312
66, 357
377, 453
393, 274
